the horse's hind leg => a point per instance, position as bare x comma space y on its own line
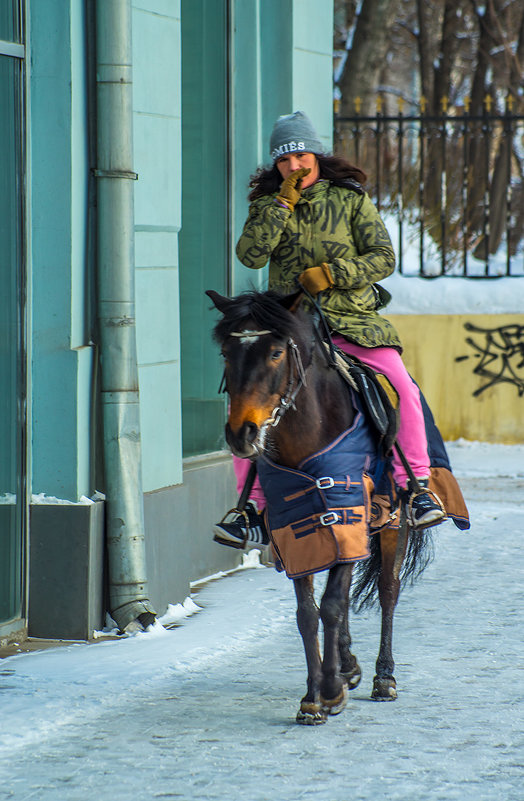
349, 667
310, 712
333, 688
384, 685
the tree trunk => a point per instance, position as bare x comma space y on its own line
366, 57
478, 154
438, 86
498, 193
424, 52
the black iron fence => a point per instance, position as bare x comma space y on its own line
450, 187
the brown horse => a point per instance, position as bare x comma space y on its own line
288, 403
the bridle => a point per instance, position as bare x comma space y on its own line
288, 400
296, 368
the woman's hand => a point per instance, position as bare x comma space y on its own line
316, 279
291, 188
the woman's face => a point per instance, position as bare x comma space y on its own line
294, 161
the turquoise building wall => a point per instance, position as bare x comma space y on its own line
312, 67
157, 147
277, 59
281, 62
62, 354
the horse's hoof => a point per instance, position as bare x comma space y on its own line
384, 689
334, 706
352, 677
311, 714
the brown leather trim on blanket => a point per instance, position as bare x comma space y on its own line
304, 548
443, 483
324, 547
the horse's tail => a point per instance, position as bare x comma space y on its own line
420, 551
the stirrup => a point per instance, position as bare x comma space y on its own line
241, 545
424, 490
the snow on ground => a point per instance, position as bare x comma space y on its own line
473, 459
206, 710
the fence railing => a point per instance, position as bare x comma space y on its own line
451, 188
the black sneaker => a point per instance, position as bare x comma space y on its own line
424, 508
242, 530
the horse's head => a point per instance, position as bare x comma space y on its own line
265, 342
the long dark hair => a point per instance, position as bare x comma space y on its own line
335, 169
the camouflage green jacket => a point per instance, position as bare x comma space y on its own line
329, 224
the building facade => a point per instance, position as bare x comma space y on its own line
208, 79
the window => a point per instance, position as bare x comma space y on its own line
12, 310
204, 238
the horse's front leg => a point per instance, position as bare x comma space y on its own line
384, 685
349, 667
333, 688
310, 712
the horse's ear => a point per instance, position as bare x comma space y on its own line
293, 301
219, 301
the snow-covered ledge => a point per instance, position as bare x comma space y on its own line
450, 295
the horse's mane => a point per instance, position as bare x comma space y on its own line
263, 308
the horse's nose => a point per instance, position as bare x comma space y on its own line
241, 441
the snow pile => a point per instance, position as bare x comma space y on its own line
41, 498
175, 613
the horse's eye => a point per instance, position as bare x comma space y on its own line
276, 355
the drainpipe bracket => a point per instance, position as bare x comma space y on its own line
132, 176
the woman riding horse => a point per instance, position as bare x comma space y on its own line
310, 217
318, 463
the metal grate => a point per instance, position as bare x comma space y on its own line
450, 187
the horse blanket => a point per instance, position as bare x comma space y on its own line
323, 513
318, 515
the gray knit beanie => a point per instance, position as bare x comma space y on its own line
293, 133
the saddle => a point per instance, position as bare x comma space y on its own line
381, 405
378, 395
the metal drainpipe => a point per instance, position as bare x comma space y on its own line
128, 601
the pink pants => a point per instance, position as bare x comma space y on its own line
411, 433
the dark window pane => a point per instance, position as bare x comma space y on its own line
11, 360
10, 21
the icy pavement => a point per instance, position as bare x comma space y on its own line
206, 710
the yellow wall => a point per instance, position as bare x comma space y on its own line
432, 343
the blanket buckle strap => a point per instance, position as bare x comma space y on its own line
325, 482
328, 519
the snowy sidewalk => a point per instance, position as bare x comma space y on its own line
206, 710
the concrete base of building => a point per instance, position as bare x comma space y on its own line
67, 594
178, 520
66, 570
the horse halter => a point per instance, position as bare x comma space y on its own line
292, 390
288, 401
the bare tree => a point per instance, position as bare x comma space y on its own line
366, 56
502, 170
465, 58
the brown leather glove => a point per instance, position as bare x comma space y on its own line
291, 188
316, 279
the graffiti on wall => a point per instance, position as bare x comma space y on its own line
499, 355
